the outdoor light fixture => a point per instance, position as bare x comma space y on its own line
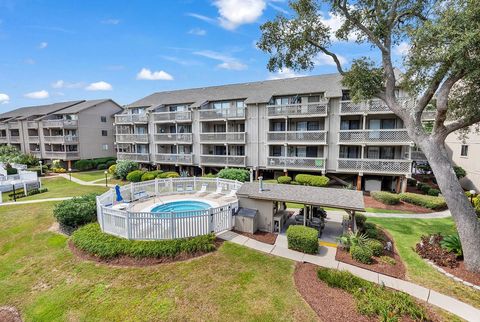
472, 194
70, 173
106, 179
41, 168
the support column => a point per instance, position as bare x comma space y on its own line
203, 171
285, 172
69, 164
359, 182
257, 173
404, 184
398, 185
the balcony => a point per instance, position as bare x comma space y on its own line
222, 114
32, 124
304, 137
37, 154
33, 139
223, 160
429, 115
300, 163
174, 158
60, 123
375, 166
368, 107
131, 138
418, 156
3, 126
60, 139
173, 138
298, 110
61, 155
3, 139
138, 157
15, 139
14, 125
223, 137
168, 117
131, 118
378, 137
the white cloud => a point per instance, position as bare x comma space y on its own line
323, 59
284, 73
38, 95
335, 21
62, 84
227, 62
4, 98
197, 32
147, 74
278, 8
99, 86
30, 61
110, 21
402, 49
234, 13
202, 17
43, 45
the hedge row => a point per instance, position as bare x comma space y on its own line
140, 175
312, 180
76, 212
429, 202
303, 239
99, 164
92, 240
386, 198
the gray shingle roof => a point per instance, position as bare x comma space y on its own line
24, 112
255, 92
325, 197
81, 106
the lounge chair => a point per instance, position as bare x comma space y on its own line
203, 190
180, 188
189, 188
231, 194
217, 192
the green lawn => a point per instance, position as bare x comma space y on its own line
374, 210
406, 233
90, 175
40, 276
61, 187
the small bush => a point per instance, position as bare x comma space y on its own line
151, 175
388, 260
241, 175
124, 167
386, 198
371, 231
112, 169
303, 179
10, 170
110, 163
433, 192
350, 239
284, 179
168, 174
92, 240
376, 246
361, 254
459, 172
452, 243
425, 188
209, 175
429, 202
59, 170
102, 166
319, 181
303, 239
135, 176
83, 165
360, 220
411, 182
76, 212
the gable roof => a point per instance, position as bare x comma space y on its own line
27, 111
77, 108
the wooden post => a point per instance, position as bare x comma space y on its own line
359, 182
399, 181
404, 184
304, 215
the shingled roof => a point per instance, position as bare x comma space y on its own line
27, 111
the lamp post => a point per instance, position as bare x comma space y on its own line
106, 178
70, 173
472, 194
41, 168
14, 193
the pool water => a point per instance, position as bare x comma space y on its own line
181, 205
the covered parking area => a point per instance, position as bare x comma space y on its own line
267, 206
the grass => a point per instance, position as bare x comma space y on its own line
40, 276
406, 233
61, 187
90, 175
373, 210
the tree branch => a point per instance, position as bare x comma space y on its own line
328, 53
442, 101
431, 90
461, 123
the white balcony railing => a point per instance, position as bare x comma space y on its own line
62, 155
14, 125
375, 166
15, 139
138, 157
223, 160
173, 137
132, 138
60, 139
32, 125
301, 163
418, 156
60, 123
308, 109
174, 158
370, 106
3, 139
224, 137
317, 137
224, 113
183, 116
33, 138
389, 136
429, 115
131, 118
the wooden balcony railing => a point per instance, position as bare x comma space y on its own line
183, 116
173, 137
62, 155
224, 113
223, 160
399, 136
131, 118
370, 106
316, 137
300, 163
138, 157
60, 139
309, 109
132, 138
174, 158
223, 137
59, 123
375, 166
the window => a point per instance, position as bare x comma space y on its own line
104, 133
345, 95
104, 147
464, 151
103, 119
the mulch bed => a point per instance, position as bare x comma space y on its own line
398, 270
138, 262
9, 314
402, 206
461, 272
261, 236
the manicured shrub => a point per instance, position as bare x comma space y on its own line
241, 175
83, 165
433, 192
459, 172
112, 169
411, 182
360, 220
284, 179
303, 178
376, 246
425, 188
361, 254
386, 198
76, 212
303, 239
59, 170
319, 181
110, 163
124, 167
429, 202
92, 240
102, 166
168, 174
105, 160
209, 175
452, 243
371, 231
151, 175
135, 176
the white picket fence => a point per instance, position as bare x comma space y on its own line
165, 225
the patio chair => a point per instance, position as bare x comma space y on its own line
203, 190
180, 188
231, 194
299, 219
217, 192
189, 188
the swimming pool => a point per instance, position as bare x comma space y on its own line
181, 205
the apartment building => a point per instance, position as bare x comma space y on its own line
64, 131
464, 152
304, 124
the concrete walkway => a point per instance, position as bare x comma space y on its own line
326, 258
440, 214
10, 203
85, 183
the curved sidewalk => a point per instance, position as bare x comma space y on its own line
326, 258
438, 214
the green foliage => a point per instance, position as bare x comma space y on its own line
56, 164
124, 167
433, 192
241, 175
10, 154
376, 246
209, 175
151, 175
303, 239
362, 254
387, 260
110, 163
386, 198
312, 180
459, 171
350, 239
168, 174
112, 169
76, 212
411, 182
371, 231
10, 170
135, 176
429, 202
83, 165
363, 79
360, 220
451, 243
284, 179
92, 240
102, 166
476, 204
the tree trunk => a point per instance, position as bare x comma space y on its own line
463, 213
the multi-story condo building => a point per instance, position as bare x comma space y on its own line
62, 131
305, 124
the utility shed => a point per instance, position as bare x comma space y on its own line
246, 220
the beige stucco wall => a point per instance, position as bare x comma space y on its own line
265, 211
471, 162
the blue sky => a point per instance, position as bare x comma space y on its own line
64, 50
